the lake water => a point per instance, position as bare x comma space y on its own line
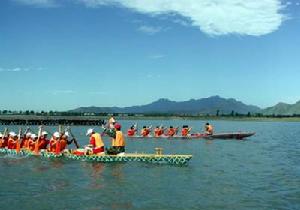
262, 172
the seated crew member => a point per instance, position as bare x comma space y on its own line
209, 130
172, 131
54, 141
31, 142
43, 143
1, 140
96, 145
185, 131
25, 139
145, 131
118, 143
12, 140
158, 131
131, 131
4, 140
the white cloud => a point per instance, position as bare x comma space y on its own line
56, 92
150, 30
157, 56
19, 69
38, 3
213, 17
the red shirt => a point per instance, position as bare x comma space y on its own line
131, 132
12, 144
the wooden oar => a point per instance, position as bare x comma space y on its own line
18, 146
5, 132
73, 137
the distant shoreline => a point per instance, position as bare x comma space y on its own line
100, 119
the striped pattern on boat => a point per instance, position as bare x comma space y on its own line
127, 157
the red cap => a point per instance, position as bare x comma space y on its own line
117, 126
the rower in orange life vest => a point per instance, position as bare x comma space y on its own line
145, 131
43, 143
131, 131
118, 143
1, 140
54, 141
12, 140
209, 130
158, 131
185, 131
25, 139
172, 131
96, 144
31, 142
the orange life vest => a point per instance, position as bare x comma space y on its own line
145, 132
171, 132
119, 141
11, 143
96, 140
185, 131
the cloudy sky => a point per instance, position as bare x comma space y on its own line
61, 54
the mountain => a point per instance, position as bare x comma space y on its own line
200, 106
283, 109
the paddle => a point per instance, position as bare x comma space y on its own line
5, 136
57, 148
36, 146
73, 137
18, 146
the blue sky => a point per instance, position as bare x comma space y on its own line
62, 54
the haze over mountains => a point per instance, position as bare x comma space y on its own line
210, 105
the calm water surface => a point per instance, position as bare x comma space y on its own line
262, 172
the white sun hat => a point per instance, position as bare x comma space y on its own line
28, 134
56, 134
44, 133
1, 135
33, 136
89, 131
12, 134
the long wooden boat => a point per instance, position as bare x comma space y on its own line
221, 136
127, 157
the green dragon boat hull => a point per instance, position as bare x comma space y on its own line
128, 157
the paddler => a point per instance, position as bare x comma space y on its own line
118, 143
172, 131
31, 142
43, 143
54, 141
145, 131
25, 139
12, 140
185, 131
1, 139
4, 139
131, 131
209, 130
158, 131
96, 145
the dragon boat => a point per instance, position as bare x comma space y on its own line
127, 157
220, 136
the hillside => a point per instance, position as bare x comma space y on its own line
200, 106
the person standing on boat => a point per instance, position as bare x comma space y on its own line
118, 143
145, 131
185, 131
209, 130
96, 144
172, 131
131, 131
